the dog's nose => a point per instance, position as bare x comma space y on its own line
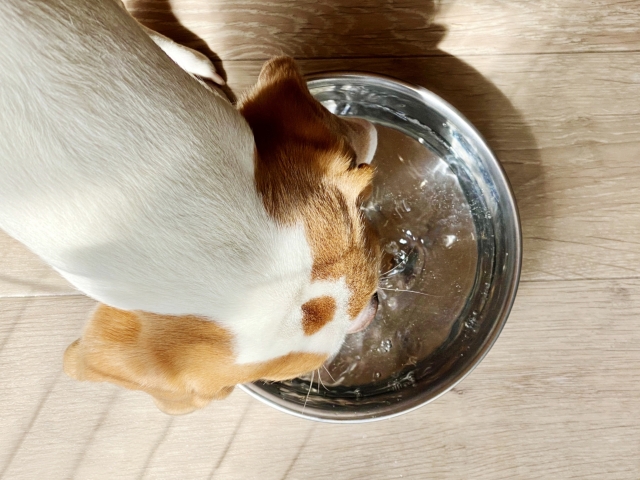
368, 313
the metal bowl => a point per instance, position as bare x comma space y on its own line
449, 226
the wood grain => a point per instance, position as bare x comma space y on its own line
554, 87
22, 273
257, 29
556, 397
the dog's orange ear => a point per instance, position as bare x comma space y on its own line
280, 110
184, 362
300, 145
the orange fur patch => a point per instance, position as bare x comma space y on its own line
184, 362
306, 172
316, 313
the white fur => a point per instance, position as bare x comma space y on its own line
189, 60
136, 183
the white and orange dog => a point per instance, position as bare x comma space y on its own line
225, 245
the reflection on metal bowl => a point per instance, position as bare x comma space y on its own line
449, 227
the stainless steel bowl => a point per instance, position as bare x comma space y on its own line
449, 225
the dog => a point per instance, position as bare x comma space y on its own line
223, 244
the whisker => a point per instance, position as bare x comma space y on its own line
309, 392
320, 382
388, 271
409, 291
327, 370
394, 270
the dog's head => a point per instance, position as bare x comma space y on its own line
311, 172
312, 169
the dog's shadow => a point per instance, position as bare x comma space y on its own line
352, 37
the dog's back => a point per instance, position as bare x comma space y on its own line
119, 169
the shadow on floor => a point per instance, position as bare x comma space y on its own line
158, 15
358, 35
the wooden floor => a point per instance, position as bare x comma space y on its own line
555, 88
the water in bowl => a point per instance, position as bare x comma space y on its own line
429, 241
425, 211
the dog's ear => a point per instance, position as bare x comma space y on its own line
184, 362
280, 110
301, 144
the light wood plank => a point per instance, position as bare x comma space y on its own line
34, 331
564, 100
259, 29
23, 273
556, 397
498, 26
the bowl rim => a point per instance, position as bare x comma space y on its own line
470, 131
